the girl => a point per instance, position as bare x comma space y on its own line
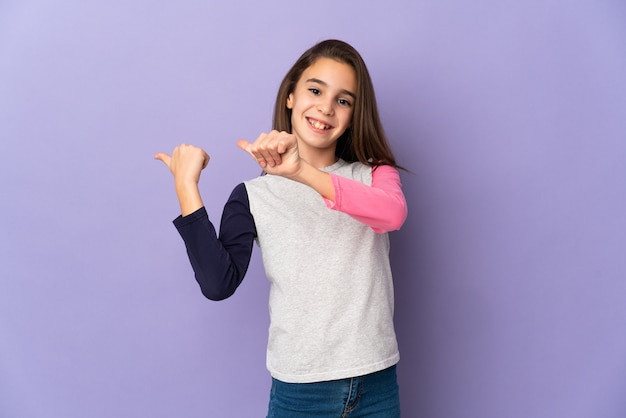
320, 216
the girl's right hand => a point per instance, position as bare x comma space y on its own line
185, 163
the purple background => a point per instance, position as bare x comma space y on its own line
510, 271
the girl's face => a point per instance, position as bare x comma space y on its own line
322, 106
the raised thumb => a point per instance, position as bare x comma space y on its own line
244, 145
163, 157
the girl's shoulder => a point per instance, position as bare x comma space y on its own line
354, 170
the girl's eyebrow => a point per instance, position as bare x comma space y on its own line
318, 81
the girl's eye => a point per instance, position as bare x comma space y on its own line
314, 91
343, 102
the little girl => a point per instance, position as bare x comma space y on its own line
320, 215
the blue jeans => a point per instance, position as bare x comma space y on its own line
374, 395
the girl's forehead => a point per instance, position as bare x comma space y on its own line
331, 72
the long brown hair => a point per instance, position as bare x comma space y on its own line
365, 140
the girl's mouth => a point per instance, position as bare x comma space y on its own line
318, 124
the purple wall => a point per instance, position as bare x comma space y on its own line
510, 272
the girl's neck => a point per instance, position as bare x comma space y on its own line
319, 158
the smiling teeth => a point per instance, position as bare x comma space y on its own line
318, 125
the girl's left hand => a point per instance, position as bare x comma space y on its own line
276, 153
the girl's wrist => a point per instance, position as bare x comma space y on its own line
300, 174
185, 184
188, 197
316, 179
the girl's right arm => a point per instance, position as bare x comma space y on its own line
219, 263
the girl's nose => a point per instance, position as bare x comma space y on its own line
326, 107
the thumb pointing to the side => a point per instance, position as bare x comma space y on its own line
247, 147
163, 157
244, 145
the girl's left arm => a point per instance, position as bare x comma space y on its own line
381, 206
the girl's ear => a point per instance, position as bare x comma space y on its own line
289, 103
